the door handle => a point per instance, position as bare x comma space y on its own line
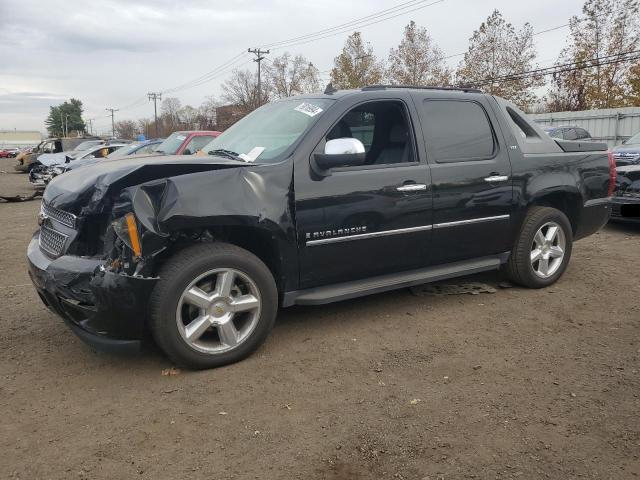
496, 178
412, 187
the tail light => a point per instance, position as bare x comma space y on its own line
612, 174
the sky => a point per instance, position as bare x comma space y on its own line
110, 53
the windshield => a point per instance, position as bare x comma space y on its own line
266, 133
86, 145
126, 150
633, 140
172, 143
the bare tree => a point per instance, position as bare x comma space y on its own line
188, 117
145, 126
356, 66
497, 49
608, 29
417, 61
207, 113
288, 76
169, 113
127, 129
241, 90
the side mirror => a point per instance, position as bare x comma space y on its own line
341, 152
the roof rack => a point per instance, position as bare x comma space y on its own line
455, 89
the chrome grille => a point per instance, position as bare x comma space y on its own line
65, 218
52, 242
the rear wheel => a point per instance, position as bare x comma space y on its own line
214, 305
543, 249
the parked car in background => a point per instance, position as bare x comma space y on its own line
143, 147
9, 152
629, 152
60, 157
41, 175
625, 204
568, 133
186, 143
307, 201
51, 145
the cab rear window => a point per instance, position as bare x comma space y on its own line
457, 131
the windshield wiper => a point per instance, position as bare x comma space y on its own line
221, 152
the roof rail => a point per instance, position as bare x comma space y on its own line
455, 89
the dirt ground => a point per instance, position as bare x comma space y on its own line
515, 384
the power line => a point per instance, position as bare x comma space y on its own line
562, 68
207, 76
351, 23
359, 26
550, 29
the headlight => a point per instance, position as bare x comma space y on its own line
59, 170
126, 229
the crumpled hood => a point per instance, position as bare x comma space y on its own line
49, 159
82, 191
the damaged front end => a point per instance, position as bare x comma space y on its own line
106, 230
625, 204
85, 271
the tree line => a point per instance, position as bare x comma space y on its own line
500, 57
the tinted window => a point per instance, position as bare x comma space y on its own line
362, 125
383, 129
570, 134
457, 131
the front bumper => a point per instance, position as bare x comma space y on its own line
105, 309
625, 209
39, 179
21, 167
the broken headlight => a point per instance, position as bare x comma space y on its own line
126, 228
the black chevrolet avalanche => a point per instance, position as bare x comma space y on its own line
306, 201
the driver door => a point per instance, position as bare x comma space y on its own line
366, 220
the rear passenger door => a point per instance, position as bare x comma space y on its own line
470, 175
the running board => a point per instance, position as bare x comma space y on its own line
383, 283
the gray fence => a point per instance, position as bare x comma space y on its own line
612, 125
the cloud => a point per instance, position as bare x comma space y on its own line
29, 100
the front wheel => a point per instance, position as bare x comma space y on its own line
543, 248
213, 305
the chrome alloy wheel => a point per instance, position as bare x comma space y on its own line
218, 311
547, 250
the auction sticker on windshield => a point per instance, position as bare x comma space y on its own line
308, 109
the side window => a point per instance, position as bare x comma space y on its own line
570, 134
582, 133
458, 131
196, 143
382, 127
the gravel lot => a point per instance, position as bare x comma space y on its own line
514, 384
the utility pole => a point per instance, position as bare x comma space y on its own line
66, 125
258, 53
90, 122
155, 97
113, 123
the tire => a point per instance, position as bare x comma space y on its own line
177, 316
521, 268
